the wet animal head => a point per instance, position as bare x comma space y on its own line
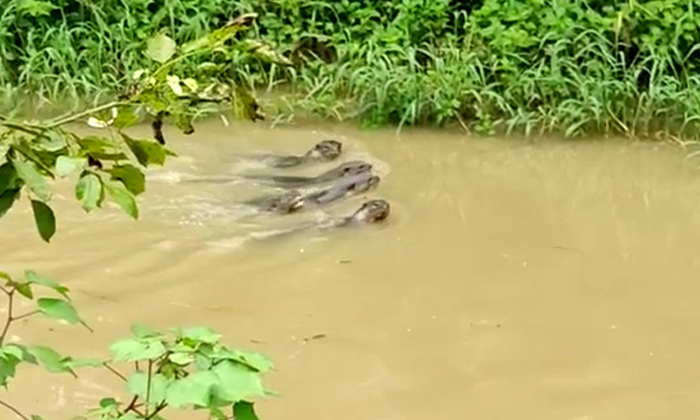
364, 184
354, 167
372, 211
287, 203
326, 150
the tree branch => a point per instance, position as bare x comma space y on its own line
114, 371
14, 410
8, 320
28, 314
68, 118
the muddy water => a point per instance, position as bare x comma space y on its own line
555, 280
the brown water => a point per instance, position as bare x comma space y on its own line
556, 280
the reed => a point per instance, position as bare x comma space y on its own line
576, 67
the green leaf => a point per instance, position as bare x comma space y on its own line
18, 351
182, 359
50, 359
134, 350
33, 278
80, 363
138, 383
35, 417
25, 289
51, 141
146, 152
94, 144
257, 361
58, 309
89, 191
244, 410
194, 389
133, 179
7, 176
34, 180
66, 165
202, 334
125, 118
7, 200
44, 219
8, 367
123, 197
237, 382
108, 403
142, 331
160, 48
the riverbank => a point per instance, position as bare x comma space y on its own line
487, 66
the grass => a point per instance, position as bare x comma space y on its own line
565, 67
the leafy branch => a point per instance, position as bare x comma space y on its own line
111, 166
187, 368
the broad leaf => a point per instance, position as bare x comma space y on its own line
255, 360
44, 219
97, 145
123, 197
182, 359
194, 389
50, 359
133, 350
244, 410
138, 384
237, 382
125, 118
203, 334
51, 141
33, 278
25, 289
66, 165
80, 363
133, 179
146, 152
142, 331
7, 200
8, 367
160, 48
34, 180
59, 309
7, 176
89, 191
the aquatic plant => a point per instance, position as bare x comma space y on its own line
582, 66
180, 368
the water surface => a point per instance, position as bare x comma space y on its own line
546, 280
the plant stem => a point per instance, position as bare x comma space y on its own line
14, 410
155, 412
68, 118
114, 371
148, 386
28, 314
8, 321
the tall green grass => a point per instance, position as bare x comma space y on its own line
629, 67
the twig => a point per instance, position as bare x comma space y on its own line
28, 314
155, 412
114, 371
74, 117
14, 410
8, 321
148, 386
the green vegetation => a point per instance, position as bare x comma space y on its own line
528, 65
181, 368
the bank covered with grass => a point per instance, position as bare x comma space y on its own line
525, 65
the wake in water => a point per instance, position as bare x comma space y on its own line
224, 207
